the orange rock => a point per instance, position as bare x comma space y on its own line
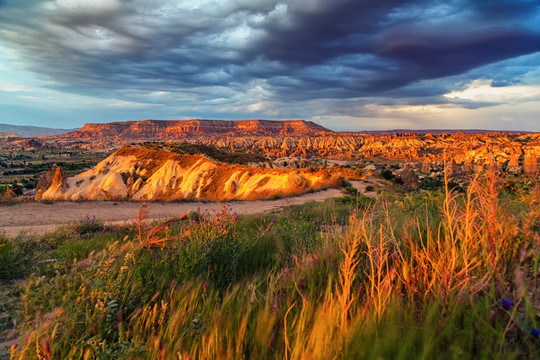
54, 180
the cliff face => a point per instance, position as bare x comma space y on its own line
141, 174
163, 129
467, 148
517, 152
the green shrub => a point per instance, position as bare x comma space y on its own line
11, 264
351, 190
17, 257
359, 202
431, 184
387, 174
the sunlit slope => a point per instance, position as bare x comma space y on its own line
142, 174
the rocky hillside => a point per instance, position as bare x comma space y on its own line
482, 148
277, 139
170, 129
139, 173
516, 152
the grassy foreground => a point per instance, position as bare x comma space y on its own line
435, 275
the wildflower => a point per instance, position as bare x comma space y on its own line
507, 304
12, 350
46, 348
535, 333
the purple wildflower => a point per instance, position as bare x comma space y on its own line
535, 333
507, 304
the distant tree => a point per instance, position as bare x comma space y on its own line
387, 174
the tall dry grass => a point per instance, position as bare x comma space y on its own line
445, 275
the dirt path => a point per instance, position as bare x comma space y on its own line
38, 218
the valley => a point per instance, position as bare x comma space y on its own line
259, 144
141, 227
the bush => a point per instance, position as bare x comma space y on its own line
359, 202
431, 184
89, 226
387, 174
16, 258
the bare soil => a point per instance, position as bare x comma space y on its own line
35, 218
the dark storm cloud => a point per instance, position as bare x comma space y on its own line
300, 50
503, 9
312, 35
454, 54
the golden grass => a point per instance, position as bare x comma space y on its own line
401, 274
156, 235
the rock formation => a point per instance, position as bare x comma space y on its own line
305, 139
409, 178
142, 174
530, 164
426, 166
52, 182
513, 164
178, 129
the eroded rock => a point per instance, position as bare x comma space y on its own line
53, 181
409, 178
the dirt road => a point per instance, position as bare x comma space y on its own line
38, 218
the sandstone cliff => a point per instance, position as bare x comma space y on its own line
178, 129
514, 152
141, 174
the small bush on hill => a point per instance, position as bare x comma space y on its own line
387, 174
351, 190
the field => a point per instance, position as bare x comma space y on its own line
22, 168
437, 274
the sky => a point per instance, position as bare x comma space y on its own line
344, 64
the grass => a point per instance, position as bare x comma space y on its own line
22, 256
411, 276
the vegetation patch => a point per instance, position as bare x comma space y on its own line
428, 275
241, 158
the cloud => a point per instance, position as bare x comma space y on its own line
483, 91
10, 87
269, 57
345, 48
